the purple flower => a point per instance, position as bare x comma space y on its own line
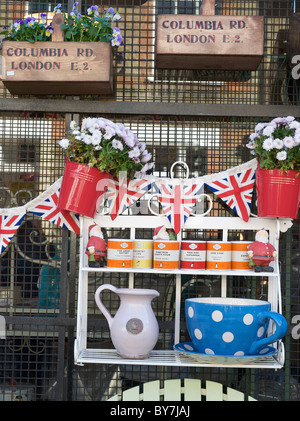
92, 9
57, 8
147, 167
109, 133
17, 25
29, 21
142, 146
134, 153
49, 31
117, 16
147, 157
129, 139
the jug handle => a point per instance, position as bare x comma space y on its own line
99, 303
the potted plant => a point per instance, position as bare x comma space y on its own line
277, 147
76, 61
96, 152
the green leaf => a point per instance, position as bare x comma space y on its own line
68, 35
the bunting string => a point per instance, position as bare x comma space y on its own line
177, 197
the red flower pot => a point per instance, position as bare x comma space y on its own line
82, 189
278, 193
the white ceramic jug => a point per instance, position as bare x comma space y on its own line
134, 328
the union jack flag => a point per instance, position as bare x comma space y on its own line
48, 210
236, 191
122, 192
8, 226
177, 200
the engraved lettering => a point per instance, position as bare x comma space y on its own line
41, 52
35, 65
237, 24
192, 39
89, 52
44, 52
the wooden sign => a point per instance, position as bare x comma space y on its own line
57, 67
212, 42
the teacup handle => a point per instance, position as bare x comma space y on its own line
281, 328
101, 306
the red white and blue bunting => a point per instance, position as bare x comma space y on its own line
46, 206
122, 193
235, 188
177, 197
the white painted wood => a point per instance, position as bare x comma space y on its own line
214, 391
152, 391
169, 357
172, 390
192, 390
132, 394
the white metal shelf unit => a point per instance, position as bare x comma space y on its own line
169, 357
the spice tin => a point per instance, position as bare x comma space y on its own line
218, 255
166, 254
142, 254
119, 253
239, 255
193, 254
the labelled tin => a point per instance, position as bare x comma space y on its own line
218, 255
166, 254
119, 253
239, 255
142, 254
193, 254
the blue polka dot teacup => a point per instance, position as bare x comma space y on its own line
231, 326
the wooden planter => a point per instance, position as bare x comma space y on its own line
57, 67
209, 41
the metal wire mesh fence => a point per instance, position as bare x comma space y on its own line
38, 289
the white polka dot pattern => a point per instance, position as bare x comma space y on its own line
213, 333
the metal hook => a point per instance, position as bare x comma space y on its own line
209, 208
180, 163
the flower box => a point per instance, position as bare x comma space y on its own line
212, 42
57, 67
